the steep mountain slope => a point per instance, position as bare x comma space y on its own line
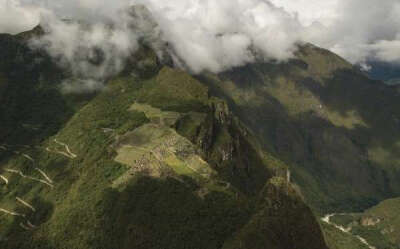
152, 161
337, 129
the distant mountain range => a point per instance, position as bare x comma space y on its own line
387, 72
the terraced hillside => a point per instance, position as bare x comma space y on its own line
152, 161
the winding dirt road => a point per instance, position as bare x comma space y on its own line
49, 182
48, 179
18, 172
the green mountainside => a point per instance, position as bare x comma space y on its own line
385, 220
152, 161
336, 129
249, 158
379, 225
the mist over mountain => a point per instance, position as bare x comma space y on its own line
215, 36
199, 124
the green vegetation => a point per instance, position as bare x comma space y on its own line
163, 159
377, 226
174, 90
345, 220
151, 161
388, 214
324, 119
337, 239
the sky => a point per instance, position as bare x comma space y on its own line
209, 35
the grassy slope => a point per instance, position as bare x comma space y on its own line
83, 210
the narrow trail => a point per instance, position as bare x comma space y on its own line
67, 153
27, 225
48, 179
327, 219
25, 204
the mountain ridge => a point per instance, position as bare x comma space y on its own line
208, 154
95, 201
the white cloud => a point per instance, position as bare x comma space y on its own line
212, 35
310, 11
216, 35
15, 18
388, 51
356, 29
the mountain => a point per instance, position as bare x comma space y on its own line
152, 161
252, 157
337, 129
387, 72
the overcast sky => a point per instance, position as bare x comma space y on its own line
216, 34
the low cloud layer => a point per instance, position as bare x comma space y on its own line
16, 17
358, 30
206, 34
216, 35
91, 52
